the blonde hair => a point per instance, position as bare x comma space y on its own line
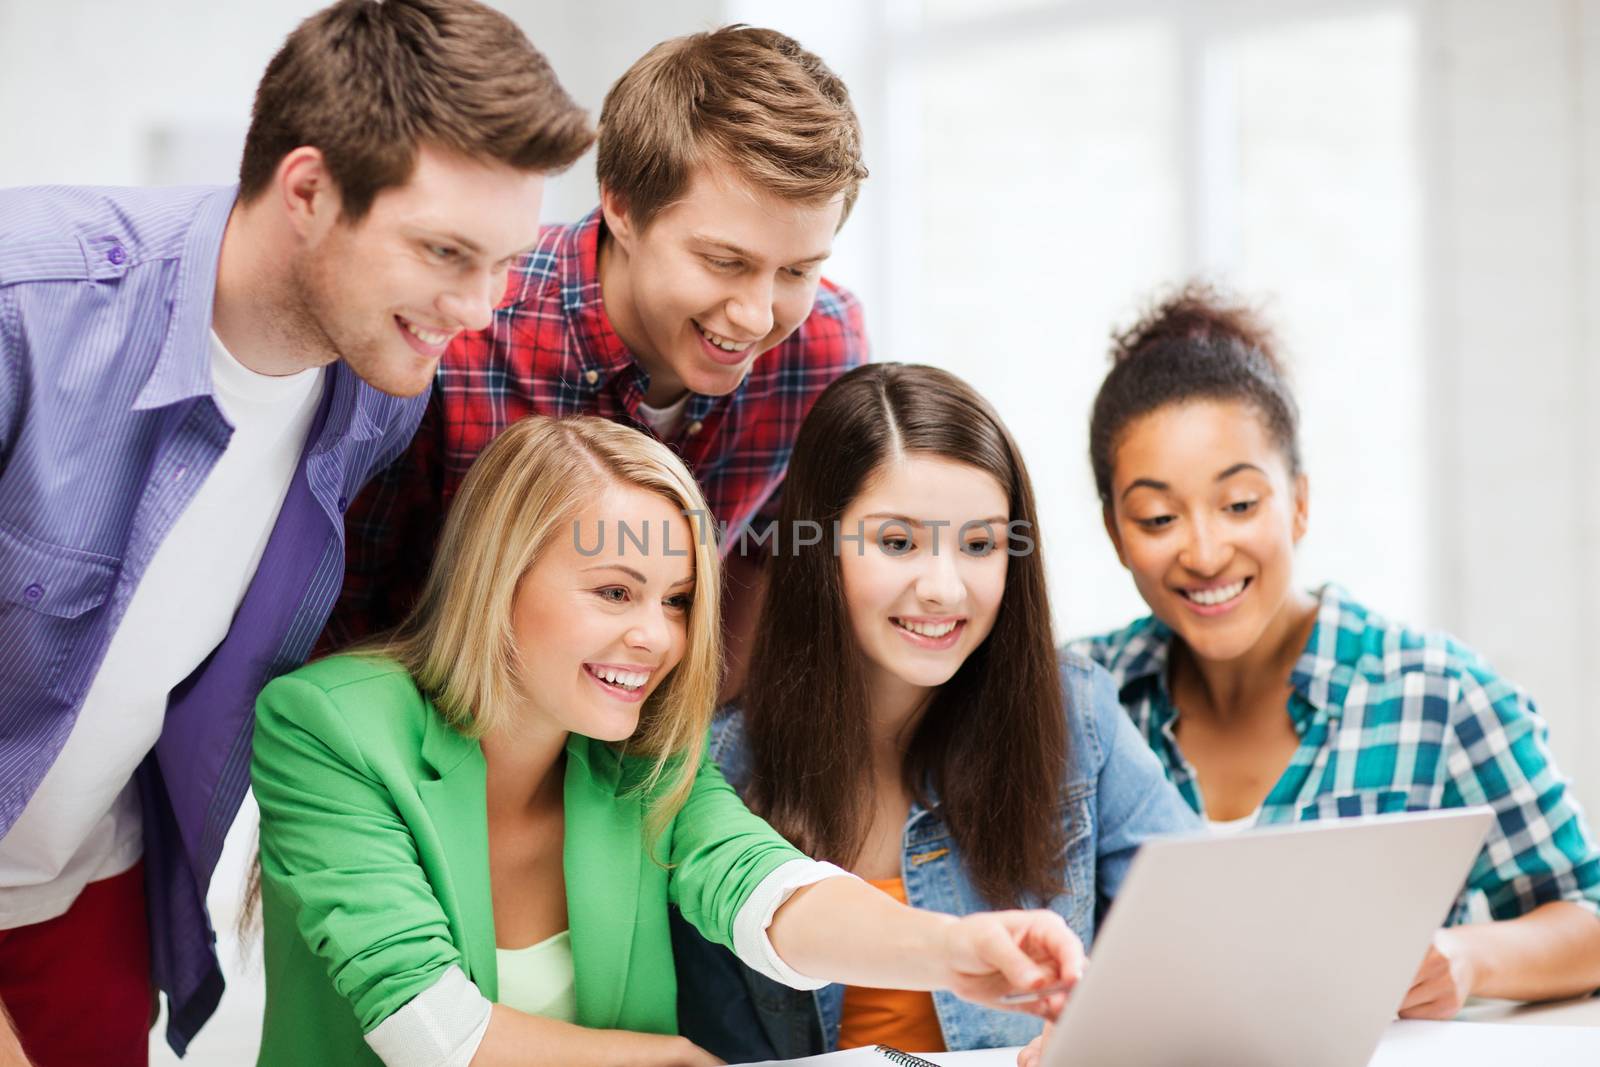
750, 97
521, 494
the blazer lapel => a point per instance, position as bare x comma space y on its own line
601, 854
456, 804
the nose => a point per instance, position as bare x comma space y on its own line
471, 303
650, 631
750, 308
1205, 551
939, 581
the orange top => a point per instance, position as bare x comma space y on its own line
899, 1018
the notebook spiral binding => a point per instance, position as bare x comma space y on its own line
904, 1059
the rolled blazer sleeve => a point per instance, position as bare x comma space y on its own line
333, 843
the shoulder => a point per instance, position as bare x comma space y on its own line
536, 274
1358, 655
77, 233
368, 698
1380, 651
1093, 710
1136, 651
567, 255
835, 307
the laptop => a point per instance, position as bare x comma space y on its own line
1275, 947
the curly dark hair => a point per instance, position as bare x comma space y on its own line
1195, 345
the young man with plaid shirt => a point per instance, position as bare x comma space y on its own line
689, 303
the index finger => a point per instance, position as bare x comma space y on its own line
1049, 939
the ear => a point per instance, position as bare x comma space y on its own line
618, 222
1110, 520
1302, 506
307, 191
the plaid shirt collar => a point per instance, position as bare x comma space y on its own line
577, 256
1320, 677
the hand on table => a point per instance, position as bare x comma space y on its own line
1029, 1056
1443, 982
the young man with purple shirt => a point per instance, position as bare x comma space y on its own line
193, 385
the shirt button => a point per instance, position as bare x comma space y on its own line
592, 377
34, 592
117, 256
177, 475
695, 427
344, 502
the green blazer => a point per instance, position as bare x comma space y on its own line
375, 864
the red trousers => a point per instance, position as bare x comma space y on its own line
77, 987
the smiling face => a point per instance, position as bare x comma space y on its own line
715, 279
924, 587
596, 634
1206, 517
427, 261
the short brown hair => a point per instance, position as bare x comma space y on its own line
750, 97
368, 81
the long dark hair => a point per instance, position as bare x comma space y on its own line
992, 743
1198, 344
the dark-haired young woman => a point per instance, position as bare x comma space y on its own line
1267, 704
905, 715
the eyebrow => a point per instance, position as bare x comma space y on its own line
992, 520
635, 575
1162, 487
730, 247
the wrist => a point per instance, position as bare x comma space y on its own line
1473, 964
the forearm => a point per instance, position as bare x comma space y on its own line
518, 1040
846, 931
1549, 953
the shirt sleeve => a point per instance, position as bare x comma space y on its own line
750, 941
335, 847
1539, 848
440, 1027
731, 872
390, 533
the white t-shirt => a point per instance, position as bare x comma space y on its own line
82, 824
665, 421
1233, 826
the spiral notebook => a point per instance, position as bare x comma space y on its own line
883, 1055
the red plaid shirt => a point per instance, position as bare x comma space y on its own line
551, 350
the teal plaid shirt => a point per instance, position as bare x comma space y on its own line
1395, 720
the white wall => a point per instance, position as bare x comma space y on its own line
1514, 357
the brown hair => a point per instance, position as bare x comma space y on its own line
993, 741
1195, 345
368, 81
749, 97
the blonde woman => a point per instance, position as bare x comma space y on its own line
471, 831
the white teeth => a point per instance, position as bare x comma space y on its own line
428, 337
1220, 595
620, 679
722, 343
926, 629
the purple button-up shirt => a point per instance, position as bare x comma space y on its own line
107, 429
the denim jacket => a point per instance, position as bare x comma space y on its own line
1114, 797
